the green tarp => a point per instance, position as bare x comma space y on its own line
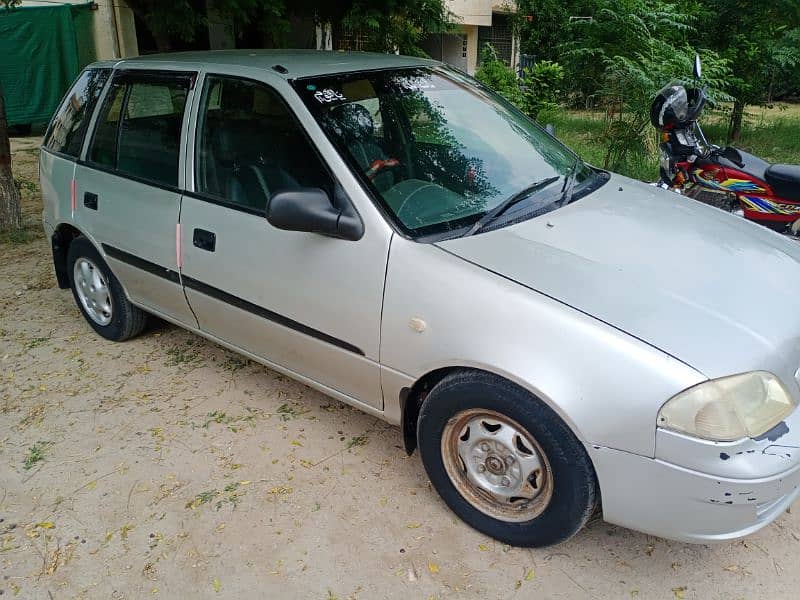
38, 59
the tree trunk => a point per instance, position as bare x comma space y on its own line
10, 206
735, 127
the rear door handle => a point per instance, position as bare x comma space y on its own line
205, 240
90, 200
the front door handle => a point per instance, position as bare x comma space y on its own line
205, 240
90, 200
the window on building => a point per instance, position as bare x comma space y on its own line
500, 35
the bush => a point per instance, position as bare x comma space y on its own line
497, 75
539, 89
542, 87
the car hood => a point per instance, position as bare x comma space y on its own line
712, 290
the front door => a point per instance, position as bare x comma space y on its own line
127, 190
305, 302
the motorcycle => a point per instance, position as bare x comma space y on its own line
725, 177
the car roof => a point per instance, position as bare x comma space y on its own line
294, 63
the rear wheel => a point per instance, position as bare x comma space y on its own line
504, 462
99, 294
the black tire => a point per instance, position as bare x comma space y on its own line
127, 320
573, 481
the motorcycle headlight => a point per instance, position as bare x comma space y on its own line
730, 408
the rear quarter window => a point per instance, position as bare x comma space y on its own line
67, 130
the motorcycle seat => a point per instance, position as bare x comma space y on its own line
784, 181
751, 164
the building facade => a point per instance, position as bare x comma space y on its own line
105, 32
477, 22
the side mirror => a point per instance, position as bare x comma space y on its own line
698, 67
311, 210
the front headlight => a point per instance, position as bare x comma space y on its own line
730, 408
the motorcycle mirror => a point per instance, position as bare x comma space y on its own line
698, 67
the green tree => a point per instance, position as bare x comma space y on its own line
387, 24
760, 39
10, 204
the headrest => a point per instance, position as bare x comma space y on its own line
352, 122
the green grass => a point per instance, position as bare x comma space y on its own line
20, 236
35, 455
772, 133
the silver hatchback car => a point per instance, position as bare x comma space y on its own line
550, 336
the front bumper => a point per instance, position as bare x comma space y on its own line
718, 492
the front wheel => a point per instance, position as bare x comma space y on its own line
504, 462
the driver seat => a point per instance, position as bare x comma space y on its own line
354, 124
784, 181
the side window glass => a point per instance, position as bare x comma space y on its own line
150, 133
249, 145
103, 150
68, 127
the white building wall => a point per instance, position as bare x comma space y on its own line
471, 12
113, 28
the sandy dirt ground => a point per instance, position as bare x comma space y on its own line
168, 467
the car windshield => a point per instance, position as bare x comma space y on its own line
438, 150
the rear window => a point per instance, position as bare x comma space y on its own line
138, 131
68, 127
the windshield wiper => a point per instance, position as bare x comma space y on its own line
569, 183
508, 203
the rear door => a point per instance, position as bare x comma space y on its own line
128, 188
63, 142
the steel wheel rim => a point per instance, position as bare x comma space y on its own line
497, 465
92, 290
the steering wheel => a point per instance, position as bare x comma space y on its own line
379, 164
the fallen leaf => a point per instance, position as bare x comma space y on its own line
413, 525
483, 547
433, 568
216, 584
731, 568
679, 592
530, 575
46, 525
